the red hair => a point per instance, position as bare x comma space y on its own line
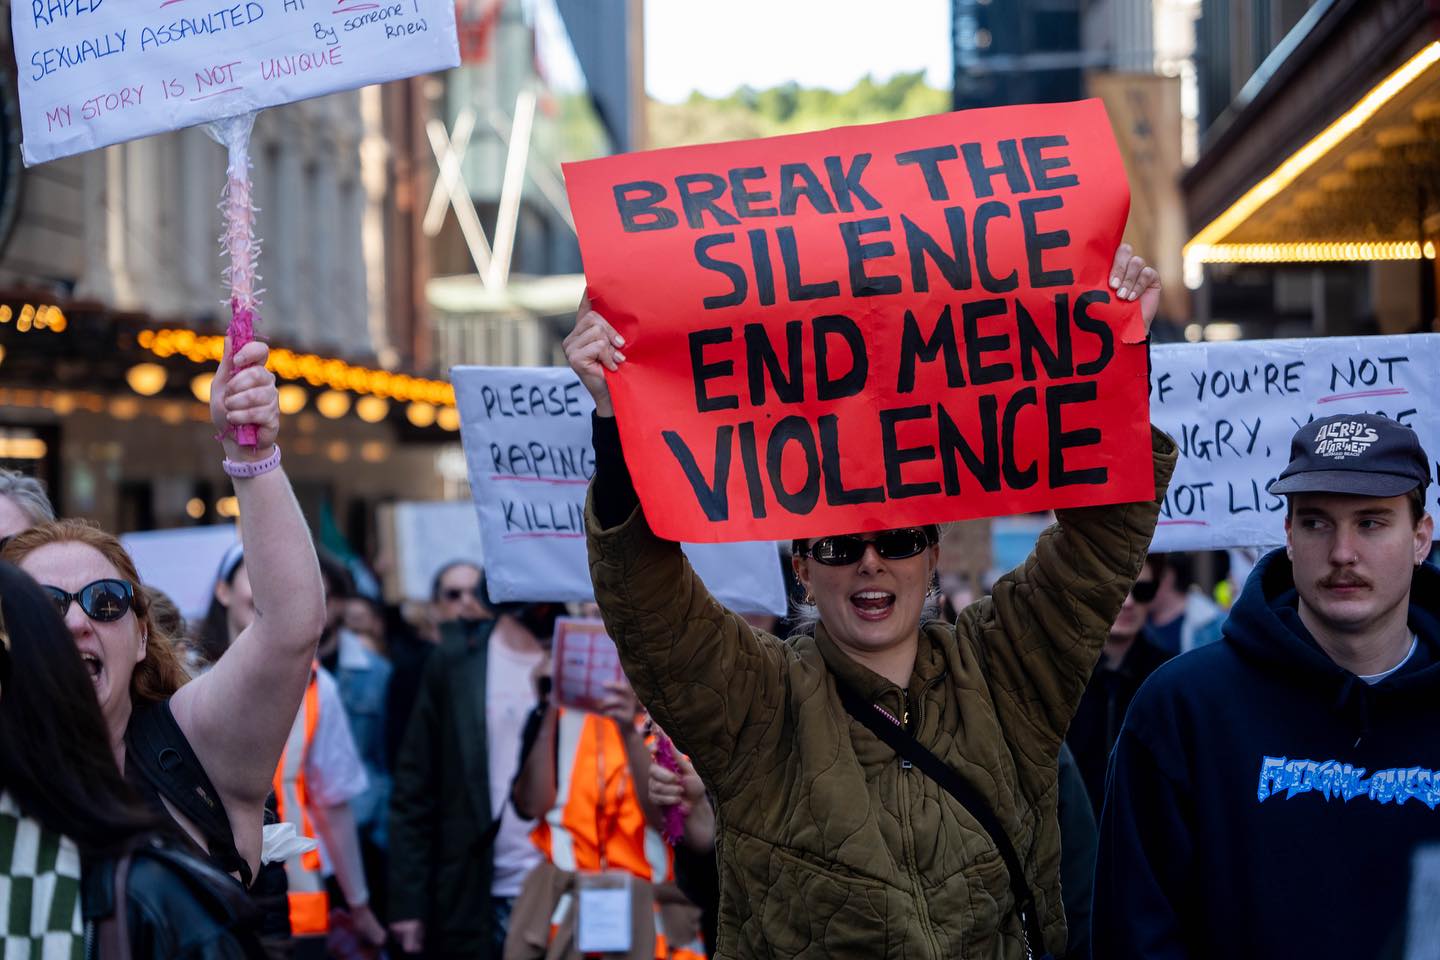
157, 676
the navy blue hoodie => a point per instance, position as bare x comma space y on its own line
1264, 802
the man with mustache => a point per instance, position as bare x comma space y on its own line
1267, 792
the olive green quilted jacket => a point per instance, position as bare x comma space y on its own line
827, 847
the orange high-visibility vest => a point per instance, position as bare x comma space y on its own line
309, 904
597, 822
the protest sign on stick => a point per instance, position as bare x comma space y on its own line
1232, 408
97, 72
872, 326
526, 432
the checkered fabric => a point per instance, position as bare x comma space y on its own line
39, 890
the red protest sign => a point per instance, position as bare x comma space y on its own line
873, 326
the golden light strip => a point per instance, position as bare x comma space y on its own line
315, 370
1318, 252
1307, 156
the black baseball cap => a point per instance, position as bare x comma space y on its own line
1356, 453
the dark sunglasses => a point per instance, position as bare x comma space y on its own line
104, 601
845, 549
454, 594
1144, 590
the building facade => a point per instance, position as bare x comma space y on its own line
545, 82
112, 303
1314, 202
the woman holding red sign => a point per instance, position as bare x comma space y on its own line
887, 787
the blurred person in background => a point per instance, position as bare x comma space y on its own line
696, 872
456, 596
458, 856
180, 742
318, 776
1126, 660
78, 839
584, 778
339, 588
23, 503
1181, 616
364, 673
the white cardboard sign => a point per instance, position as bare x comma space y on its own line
96, 72
1233, 407
526, 432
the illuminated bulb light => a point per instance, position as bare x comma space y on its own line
124, 408
292, 399
448, 418
333, 404
58, 323
317, 371
27, 319
1310, 252
1308, 155
23, 448
64, 404
337, 451
173, 414
227, 507
146, 379
372, 409
1222, 332
195, 508
2, 353
373, 451
6, 314
420, 414
200, 386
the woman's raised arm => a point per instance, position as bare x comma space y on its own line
238, 715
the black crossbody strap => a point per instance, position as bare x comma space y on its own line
905, 744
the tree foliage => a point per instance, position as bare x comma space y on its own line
791, 108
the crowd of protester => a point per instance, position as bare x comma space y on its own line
1065, 766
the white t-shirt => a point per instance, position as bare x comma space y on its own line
333, 771
509, 698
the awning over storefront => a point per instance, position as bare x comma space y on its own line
1332, 153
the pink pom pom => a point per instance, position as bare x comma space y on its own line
674, 826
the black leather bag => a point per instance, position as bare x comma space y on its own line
154, 902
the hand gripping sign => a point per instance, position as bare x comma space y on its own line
873, 326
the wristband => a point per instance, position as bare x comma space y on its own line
241, 469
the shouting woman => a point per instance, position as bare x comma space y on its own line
830, 843
206, 750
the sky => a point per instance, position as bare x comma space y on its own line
693, 45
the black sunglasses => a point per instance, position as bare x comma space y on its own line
104, 601
1144, 590
848, 548
453, 594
